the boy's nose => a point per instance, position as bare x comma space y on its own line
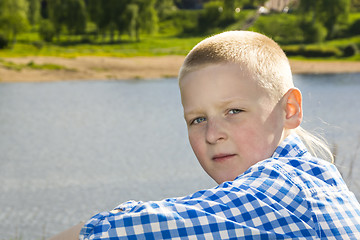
215, 132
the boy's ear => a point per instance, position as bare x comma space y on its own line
293, 108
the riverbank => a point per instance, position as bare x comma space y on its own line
99, 68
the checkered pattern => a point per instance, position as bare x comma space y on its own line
289, 196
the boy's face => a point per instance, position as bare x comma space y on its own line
232, 122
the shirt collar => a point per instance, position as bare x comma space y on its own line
291, 146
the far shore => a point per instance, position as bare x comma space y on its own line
103, 68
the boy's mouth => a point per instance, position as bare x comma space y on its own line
222, 157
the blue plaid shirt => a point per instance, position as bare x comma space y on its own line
291, 195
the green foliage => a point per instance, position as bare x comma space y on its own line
123, 21
312, 51
132, 14
354, 28
327, 13
314, 32
46, 66
112, 16
34, 11
13, 18
96, 13
4, 42
148, 46
253, 4
350, 50
31, 65
76, 16
210, 16
147, 20
182, 22
342, 43
129, 16
283, 28
46, 30
56, 12
69, 14
355, 5
242, 20
161, 45
229, 11
164, 8
38, 44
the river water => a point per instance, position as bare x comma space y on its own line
71, 149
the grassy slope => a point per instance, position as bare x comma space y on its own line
148, 46
29, 44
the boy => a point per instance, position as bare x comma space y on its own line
243, 116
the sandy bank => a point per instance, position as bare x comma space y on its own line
98, 68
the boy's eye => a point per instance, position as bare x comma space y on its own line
234, 111
198, 120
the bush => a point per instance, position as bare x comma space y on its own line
182, 21
292, 50
354, 28
47, 30
38, 44
316, 51
4, 41
312, 51
283, 28
210, 17
350, 50
313, 32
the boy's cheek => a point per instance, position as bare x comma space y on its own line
196, 144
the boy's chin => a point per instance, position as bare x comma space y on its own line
221, 179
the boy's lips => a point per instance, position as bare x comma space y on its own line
222, 157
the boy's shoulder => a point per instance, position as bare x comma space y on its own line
293, 163
305, 173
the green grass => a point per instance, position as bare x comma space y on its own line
337, 43
344, 41
353, 17
32, 65
148, 46
30, 44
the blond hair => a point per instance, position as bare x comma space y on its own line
256, 52
263, 57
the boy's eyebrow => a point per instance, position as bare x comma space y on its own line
229, 100
222, 103
191, 112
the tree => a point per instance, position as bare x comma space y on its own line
229, 10
56, 12
132, 14
210, 16
164, 7
253, 3
96, 13
147, 20
108, 15
67, 13
46, 30
326, 12
121, 23
334, 12
34, 11
75, 16
355, 5
13, 18
148, 16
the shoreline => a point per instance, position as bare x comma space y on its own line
106, 68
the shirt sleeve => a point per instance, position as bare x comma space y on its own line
289, 196
271, 210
